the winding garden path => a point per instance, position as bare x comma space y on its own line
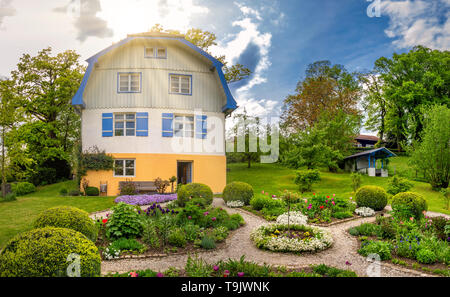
344, 249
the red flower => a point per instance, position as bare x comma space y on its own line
321, 207
328, 197
104, 221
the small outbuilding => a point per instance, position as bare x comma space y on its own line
365, 162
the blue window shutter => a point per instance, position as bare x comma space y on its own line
201, 129
107, 125
167, 125
142, 124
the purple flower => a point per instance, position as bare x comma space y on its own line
348, 263
189, 217
159, 274
240, 274
146, 199
206, 213
214, 218
215, 268
227, 272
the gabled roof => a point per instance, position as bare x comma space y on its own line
367, 137
78, 98
377, 151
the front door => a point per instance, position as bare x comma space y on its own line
184, 171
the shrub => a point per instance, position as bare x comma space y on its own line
249, 269
328, 271
123, 222
305, 179
220, 233
197, 267
414, 202
371, 196
195, 190
237, 218
398, 185
367, 229
128, 188
23, 188
426, 256
10, 197
161, 185
387, 231
177, 238
191, 231
92, 191
208, 242
238, 191
63, 192
150, 234
45, 251
356, 181
67, 217
74, 193
127, 244
258, 203
439, 224
381, 248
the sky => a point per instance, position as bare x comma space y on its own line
276, 39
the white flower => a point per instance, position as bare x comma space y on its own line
365, 211
295, 218
235, 204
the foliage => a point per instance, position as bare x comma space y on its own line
75, 192
177, 237
96, 160
191, 231
380, 248
63, 192
432, 155
398, 185
10, 197
414, 203
67, 217
365, 229
92, 191
150, 234
371, 196
220, 233
123, 222
194, 190
197, 267
45, 251
161, 185
128, 188
305, 179
426, 256
126, 244
260, 202
328, 271
233, 267
356, 181
23, 188
238, 191
208, 242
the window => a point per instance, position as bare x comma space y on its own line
129, 82
124, 167
181, 84
151, 52
184, 126
124, 124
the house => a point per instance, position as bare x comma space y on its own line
157, 104
366, 140
365, 162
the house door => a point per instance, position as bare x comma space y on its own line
184, 170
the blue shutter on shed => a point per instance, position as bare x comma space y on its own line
167, 125
142, 124
201, 127
107, 125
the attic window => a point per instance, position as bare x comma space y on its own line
159, 53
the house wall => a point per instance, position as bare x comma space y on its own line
101, 89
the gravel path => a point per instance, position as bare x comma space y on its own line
239, 243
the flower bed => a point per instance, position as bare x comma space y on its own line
295, 218
365, 211
300, 238
146, 199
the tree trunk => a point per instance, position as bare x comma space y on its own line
249, 162
3, 164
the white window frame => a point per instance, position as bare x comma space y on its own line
128, 76
124, 162
184, 122
125, 119
155, 52
176, 78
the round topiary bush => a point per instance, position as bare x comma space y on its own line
194, 190
92, 191
67, 217
411, 201
371, 196
238, 191
49, 252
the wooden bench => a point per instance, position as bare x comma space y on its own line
142, 186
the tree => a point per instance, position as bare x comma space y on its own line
204, 40
432, 154
411, 81
325, 88
44, 86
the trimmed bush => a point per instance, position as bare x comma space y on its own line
45, 252
195, 190
238, 191
399, 185
371, 196
67, 217
411, 201
92, 191
63, 192
23, 188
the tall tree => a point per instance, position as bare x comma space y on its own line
326, 87
204, 40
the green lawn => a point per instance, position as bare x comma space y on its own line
274, 179
17, 216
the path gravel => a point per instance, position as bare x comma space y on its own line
239, 243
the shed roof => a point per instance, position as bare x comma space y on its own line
378, 151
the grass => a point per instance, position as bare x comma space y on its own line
17, 216
274, 179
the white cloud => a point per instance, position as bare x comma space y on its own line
6, 10
418, 22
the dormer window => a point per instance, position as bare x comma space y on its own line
156, 52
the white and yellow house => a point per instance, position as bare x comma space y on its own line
157, 104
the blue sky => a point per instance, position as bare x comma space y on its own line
277, 39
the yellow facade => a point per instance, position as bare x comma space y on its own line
206, 169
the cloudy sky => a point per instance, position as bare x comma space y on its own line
276, 39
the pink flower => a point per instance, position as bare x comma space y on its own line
333, 203
334, 195
351, 198
206, 213
159, 274
309, 206
306, 200
227, 272
215, 268
240, 274
214, 218
348, 263
262, 192
411, 219
107, 215
189, 217
133, 274
326, 201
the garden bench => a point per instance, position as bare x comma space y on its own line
143, 186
